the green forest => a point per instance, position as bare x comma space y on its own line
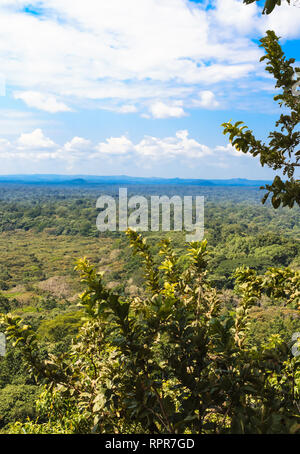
46, 229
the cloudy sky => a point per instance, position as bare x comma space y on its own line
135, 87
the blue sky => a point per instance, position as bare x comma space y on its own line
138, 87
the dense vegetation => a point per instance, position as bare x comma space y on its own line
41, 238
173, 361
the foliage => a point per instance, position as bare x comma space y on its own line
269, 4
239, 233
171, 362
281, 152
39, 284
17, 402
60, 327
276, 283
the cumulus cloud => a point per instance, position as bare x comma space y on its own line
27, 149
167, 148
177, 153
206, 99
179, 146
115, 146
77, 144
35, 139
162, 110
42, 101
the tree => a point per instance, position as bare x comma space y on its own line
17, 402
282, 152
269, 4
172, 362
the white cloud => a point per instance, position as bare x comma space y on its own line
284, 20
115, 146
179, 147
127, 108
77, 144
121, 108
35, 139
162, 110
233, 15
5, 148
207, 100
176, 155
161, 50
42, 101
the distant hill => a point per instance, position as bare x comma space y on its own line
123, 179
